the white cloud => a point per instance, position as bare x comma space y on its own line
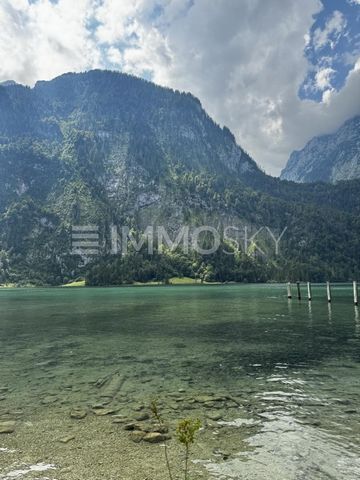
323, 78
43, 39
244, 59
114, 55
114, 18
331, 32
151, 48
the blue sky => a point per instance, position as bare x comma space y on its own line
276, 72
338, 51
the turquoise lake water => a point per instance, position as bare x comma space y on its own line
286, 374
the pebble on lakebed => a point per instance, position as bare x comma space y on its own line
147, 433
101, 412
7, 427
78, 414
67, 439
155, 437
142, 417
214, 416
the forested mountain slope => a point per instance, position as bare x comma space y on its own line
106, 148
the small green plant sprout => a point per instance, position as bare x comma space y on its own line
186, 430
155, 411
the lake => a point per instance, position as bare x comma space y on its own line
275, 383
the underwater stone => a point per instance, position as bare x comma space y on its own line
132, 426
48, 400
160, 429
101, 412
119, 420
224, 455
137, 435
203, 399
7, 427
142, 417
67, 439
214, 416
78, 414
154, 437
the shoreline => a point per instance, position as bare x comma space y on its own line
140, 285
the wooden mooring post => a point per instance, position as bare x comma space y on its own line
328, 292
309, 291
355, 289
298, 290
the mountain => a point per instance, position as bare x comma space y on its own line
103, 148
328, 158
8, 83
118, 130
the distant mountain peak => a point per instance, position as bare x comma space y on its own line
329, 158
8, 83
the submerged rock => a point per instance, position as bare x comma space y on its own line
67, 439
155, 437
160, 428
132, 426
49, 400
78, 414
7, 427
101, 412
119, 419
151, 433
203, 399
215, 416
137, 435
142, 417
225, 455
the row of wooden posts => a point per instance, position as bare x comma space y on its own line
328, 291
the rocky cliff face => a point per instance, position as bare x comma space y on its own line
108, 135
328, 158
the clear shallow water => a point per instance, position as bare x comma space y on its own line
286, 372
